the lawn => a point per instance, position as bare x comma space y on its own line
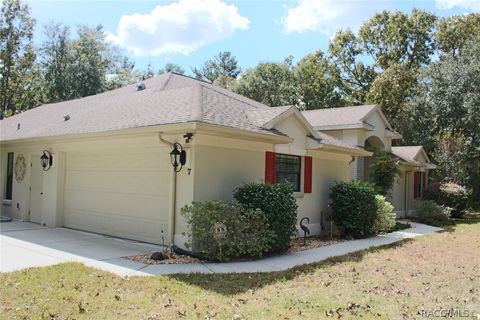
441, 270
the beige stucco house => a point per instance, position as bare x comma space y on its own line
366, 127
110, 170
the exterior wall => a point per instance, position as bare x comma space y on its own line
296, 130
223, 164
215, 166
379, 130
52, 202
220, 170
409, 194
402, 193
356, 168
398, 194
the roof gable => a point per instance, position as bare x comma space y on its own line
289, 112
410, 153
353, 117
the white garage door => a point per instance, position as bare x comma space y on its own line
120, 194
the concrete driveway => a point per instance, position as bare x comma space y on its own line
24, 245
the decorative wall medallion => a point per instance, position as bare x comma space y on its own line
20, 168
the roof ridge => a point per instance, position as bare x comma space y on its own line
165, 83
336, 108
215, 89
196, 113
186, 76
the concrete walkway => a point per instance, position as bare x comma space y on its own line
106, 253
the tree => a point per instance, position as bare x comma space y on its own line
270, 83
147, 72
353, 77
383, 171
56, 63
391, 90
316, 83
93, 58
123, 75
223, 64
444, 113
455, 31
398, 38
17, 57
172, 67
386, 39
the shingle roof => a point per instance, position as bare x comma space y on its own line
262, 116
407, 153
167, 99
337, 116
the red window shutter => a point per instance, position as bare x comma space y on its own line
424, 182
415, 185
270, 167
307, 179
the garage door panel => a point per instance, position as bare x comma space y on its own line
159, 158
144, 182
119, 194
121, 226
141, 206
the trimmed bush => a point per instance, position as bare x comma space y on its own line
449, 194
225, 231
354, 208
279, 206
383, 171
431, 213
385, 220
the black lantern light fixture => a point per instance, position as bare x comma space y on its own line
178, 157
46, 160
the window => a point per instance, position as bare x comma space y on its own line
288, 169
418, 184
9, 187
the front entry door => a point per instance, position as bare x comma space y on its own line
36, 192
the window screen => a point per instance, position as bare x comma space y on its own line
288, 169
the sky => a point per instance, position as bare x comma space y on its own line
188, 32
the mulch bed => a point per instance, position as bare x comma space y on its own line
312, 242
297, 246
173, 258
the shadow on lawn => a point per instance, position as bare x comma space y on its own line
468, 218
231, 284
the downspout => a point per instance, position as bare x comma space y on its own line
173, 199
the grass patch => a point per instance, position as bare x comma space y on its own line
441, 270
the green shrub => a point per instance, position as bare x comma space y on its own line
431, 213
383, 171
449, 194
278, 204
354, 208
224, 231
385, 219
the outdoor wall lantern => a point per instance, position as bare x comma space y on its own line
46, 160
178, 157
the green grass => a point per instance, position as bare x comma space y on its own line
441, 270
